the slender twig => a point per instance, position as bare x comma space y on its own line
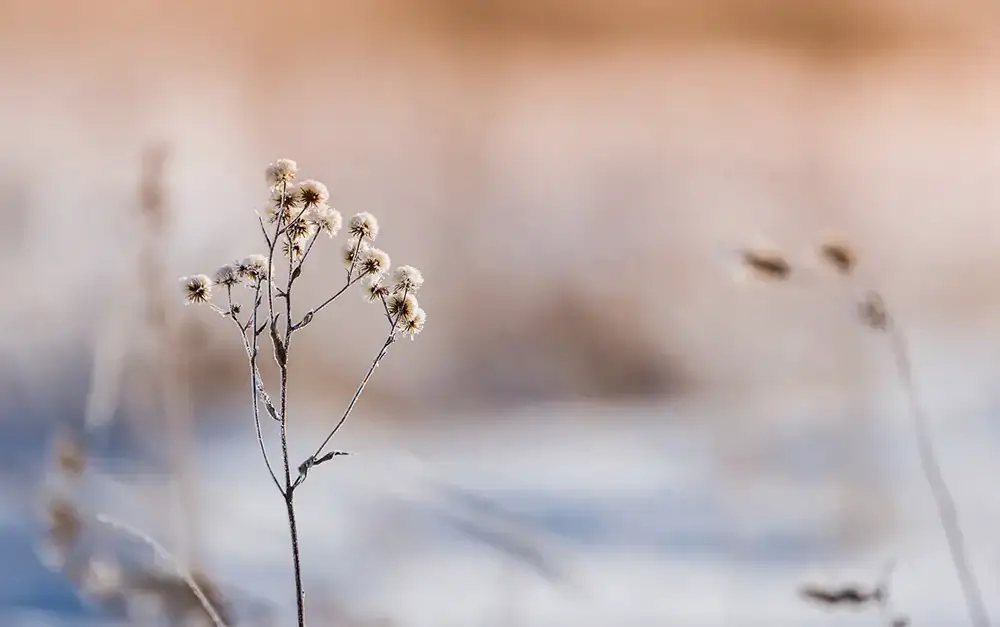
947, 511
315, 310
164, 554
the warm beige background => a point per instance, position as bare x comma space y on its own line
568, 174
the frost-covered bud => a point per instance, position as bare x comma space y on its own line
326, 219
364, 225
284, 204
407, 279
311, 192
353, 252
197, 288
281, 171
228, 275
375, 290
374, 262
253, 268
402, 306
414, 325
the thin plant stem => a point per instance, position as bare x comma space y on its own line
289, 489
947, 511
164, 554
357, 394
255, 381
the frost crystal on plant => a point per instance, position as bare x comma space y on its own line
375, 262
312, 193
413, 326
376, 291
281, 171
253, 268
364, 225
326, 219
197, 288
228, 275
403, 306
354, 249
285, 204
407, 279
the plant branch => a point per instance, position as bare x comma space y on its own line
947, 511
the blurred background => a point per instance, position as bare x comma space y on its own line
599, 426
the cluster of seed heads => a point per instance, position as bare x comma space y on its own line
773, 266
299, 212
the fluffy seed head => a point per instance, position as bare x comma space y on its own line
326, 218
285, 204
375, 290
375, 262
300, 230
197, 288
281, 171
253, 268
414, 325
228, 275
312, 193
407, 279
402, 306
353, 248
364, 225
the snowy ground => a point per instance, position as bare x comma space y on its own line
542, 523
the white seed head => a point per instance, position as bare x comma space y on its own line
228, 275
407, 279
402, 306
326, 218
281, 171
294, 248
253, 268
375, 262
413, 326
364, 225
197, 288
312, 192
375, 290
300, 229
285, 204
354, 248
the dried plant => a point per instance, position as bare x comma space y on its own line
297, 214
874, 314
855, 597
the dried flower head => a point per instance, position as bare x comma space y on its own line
293, 249
354, 251
228, 275
311, 193
403, 306
197, 288
375, 290
364, 225
300, 229
374, 262
414, 325
407, 279
253, 268
281, 171
838, 255
325, 218
768, 265
285, 204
